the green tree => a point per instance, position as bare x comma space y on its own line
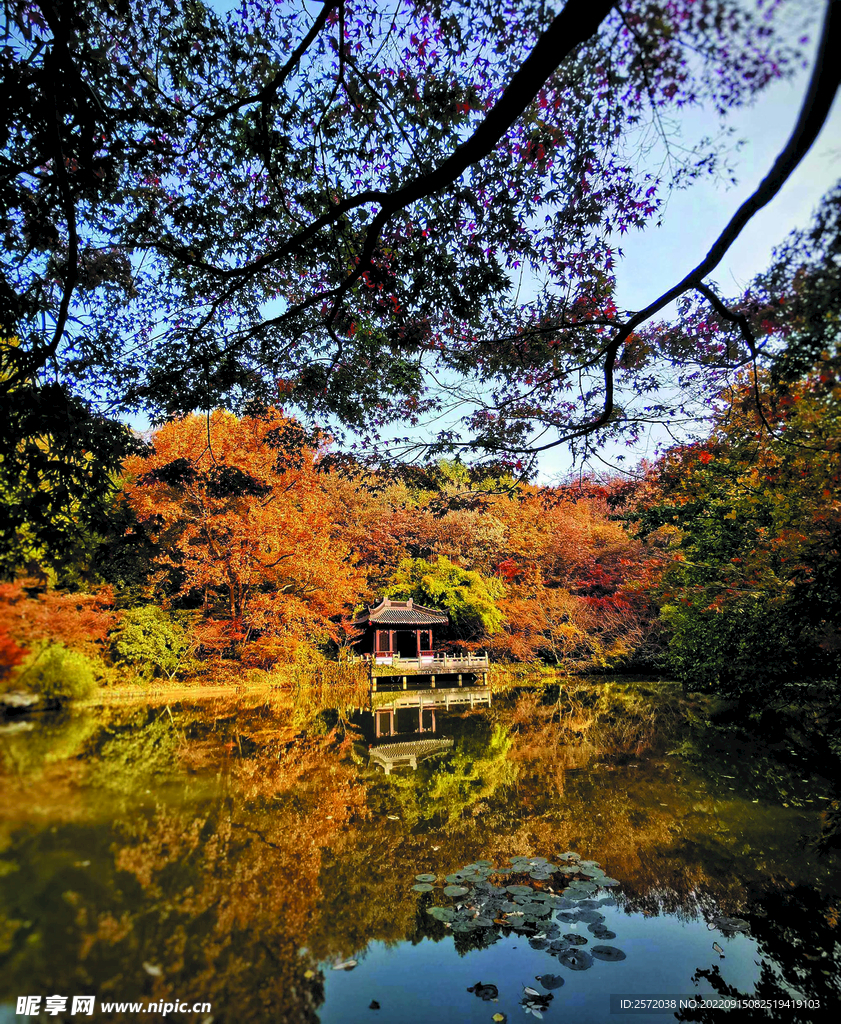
468, 596
151, 641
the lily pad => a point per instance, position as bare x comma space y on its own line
609, 953
519, 890
441, 913
567, 916
454, 879
538, 943
575, 959
423, 887
608, 883
428, 877
600, 932
590, 917
574, 939
537, 910
455, 890
550, 981
540, 876
569, 856
462, 927
590, 864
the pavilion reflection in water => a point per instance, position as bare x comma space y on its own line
403, 729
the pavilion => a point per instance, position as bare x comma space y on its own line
400, 628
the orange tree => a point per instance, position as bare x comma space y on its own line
246, 527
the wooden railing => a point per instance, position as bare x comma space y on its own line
433, 662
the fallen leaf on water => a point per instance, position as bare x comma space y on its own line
718, 950
309, 974
392, 817
152, 969
530, 991
345, 965
500, 1018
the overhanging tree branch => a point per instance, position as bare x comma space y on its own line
817, 103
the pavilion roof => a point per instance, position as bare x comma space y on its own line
401, 613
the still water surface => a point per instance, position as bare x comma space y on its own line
225, 851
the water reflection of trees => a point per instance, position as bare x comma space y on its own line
796, 930
256, 841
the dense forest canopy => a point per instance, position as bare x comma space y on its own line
334, 206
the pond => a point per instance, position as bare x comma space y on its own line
231, 852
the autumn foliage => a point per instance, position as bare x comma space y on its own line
246, 528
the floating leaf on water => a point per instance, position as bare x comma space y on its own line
441, 913
608, 883
345, 965
574, 939
484, 992
425, 878
455, 878
500, 1018
519, 890
567, 916
540, 876
609, 953
569, 856
309, 975
575, 959
538, 943
550, 981
392, 817
538, 860
423, 887
589, 864
530, 991
590, 916
600, 932
730, 924
485, 863
456, 890
483, 922
607, 901
152, 969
